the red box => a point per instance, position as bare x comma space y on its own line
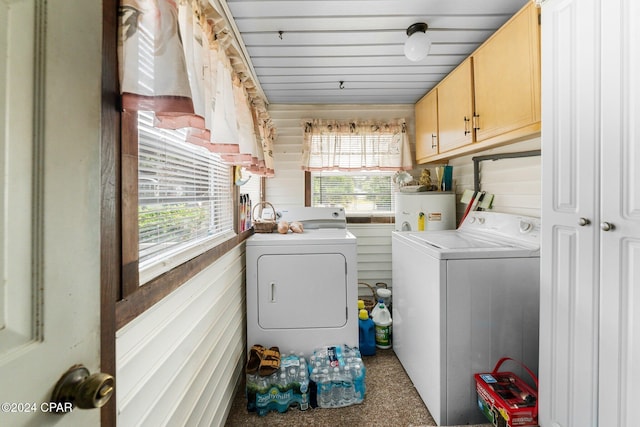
505, 399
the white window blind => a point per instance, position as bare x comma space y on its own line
357, 192
184, 198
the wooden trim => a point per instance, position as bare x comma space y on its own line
373, 219
307, 188
110, 226
153, 291
130, 246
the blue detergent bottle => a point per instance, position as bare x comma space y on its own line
367, 336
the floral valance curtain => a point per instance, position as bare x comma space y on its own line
363, 145
176, 59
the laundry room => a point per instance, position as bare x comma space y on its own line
422, 182
319, 212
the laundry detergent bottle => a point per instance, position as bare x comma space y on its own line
382, 321
367, 338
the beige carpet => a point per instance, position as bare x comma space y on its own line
391, 401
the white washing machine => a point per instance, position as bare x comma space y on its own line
302, 287
462, 299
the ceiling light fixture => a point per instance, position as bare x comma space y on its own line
417, 46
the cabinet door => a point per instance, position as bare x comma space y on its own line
300, 291
619, 350
569, 293
455, 108
427, 126
507, 77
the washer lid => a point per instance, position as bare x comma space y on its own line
453, 244
482, 235
459, 241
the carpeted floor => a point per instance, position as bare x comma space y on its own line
391, 401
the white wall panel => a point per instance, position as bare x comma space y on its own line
374, 253
179, 362
515, 183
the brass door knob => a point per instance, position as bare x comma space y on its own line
82, 389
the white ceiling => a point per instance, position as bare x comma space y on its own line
359, 42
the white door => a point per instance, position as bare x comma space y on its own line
569, 294
50, 75
619, 348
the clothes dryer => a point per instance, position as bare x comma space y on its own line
301, 288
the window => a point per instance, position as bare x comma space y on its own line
184, 199
358, 192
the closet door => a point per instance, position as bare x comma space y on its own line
569, 294
620, 217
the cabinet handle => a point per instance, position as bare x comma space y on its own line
476, 121
583, 221
606, 226
434, 143
466, 127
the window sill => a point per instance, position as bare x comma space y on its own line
145, 296
370, 219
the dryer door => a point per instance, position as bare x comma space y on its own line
302, 291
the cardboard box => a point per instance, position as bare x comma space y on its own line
505, 399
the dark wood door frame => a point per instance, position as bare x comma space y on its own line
110, 223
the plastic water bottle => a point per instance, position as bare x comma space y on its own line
367, 334
283, 382
382, 320
357, 373
292, 378
304, 388
324, 388
337, 389
348, 385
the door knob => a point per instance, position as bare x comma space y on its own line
606, 226
81, 389
583, 221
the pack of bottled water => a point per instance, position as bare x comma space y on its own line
285, 388
336, 375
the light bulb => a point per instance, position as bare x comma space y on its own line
417, 46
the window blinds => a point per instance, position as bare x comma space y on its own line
363, 192
184, 193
